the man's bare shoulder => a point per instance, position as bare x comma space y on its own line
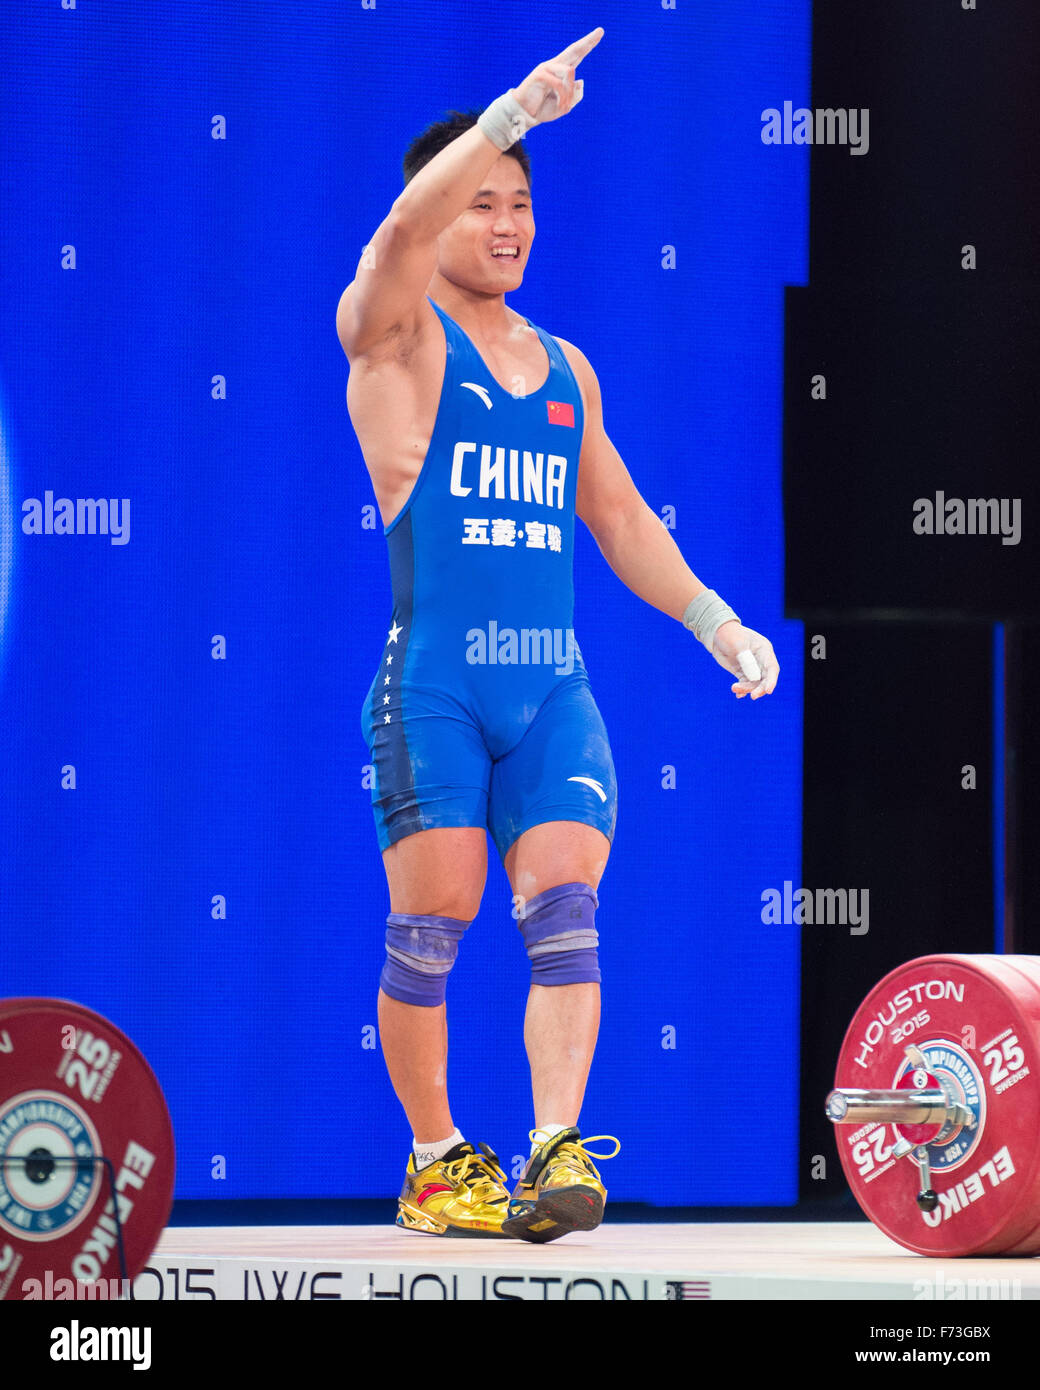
574, 355
582, 369
398, 344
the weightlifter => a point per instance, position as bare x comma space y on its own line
483, 435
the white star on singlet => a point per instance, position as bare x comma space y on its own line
394, 632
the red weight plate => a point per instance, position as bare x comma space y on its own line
978, 1027
73, 1088
1022, 974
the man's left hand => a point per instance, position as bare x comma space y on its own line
731, 639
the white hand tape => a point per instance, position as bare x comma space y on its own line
749, 665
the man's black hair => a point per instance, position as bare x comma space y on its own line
435, 137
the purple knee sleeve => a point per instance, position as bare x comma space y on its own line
420, 952
559, 929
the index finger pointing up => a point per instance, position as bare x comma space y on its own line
573, 54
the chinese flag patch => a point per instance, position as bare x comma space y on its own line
560, 413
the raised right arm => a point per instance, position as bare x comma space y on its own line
383, 301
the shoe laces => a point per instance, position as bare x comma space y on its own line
476, 1171
578, 1146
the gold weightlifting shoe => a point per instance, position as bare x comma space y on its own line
462, 1194
560, 1190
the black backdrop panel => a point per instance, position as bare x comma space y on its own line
953, 156
930, 398
931, 378
886, 811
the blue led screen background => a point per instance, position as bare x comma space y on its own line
140, 259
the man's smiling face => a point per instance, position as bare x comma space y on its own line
485, 249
